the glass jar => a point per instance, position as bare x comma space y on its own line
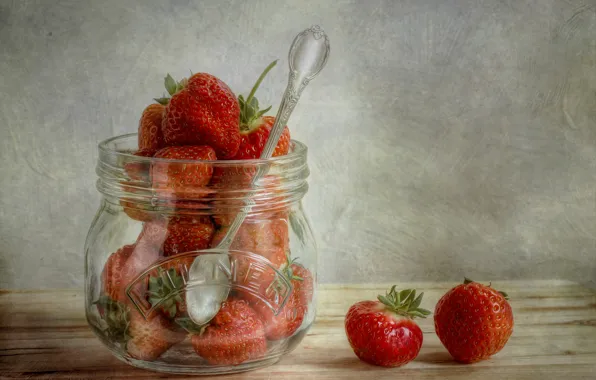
156, 217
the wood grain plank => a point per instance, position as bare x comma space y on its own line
44, 335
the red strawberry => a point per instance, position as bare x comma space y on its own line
188, 234
186, 179
384, 332
123, 266
150, 339
113, 276
227, 182
473, 321
149, 134
289, 319
136, 210
264, 237
138, 171
178, 234
254, 137
154, 233
255, 274
233, 336
255, 128
202, 111
143, 339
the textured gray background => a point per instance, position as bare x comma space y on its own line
446, 137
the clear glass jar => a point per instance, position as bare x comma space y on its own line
150, 227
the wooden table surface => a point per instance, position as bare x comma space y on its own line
44, 335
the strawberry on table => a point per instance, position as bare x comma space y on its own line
202, 110
185, 179
233, 336
473, 321
383, 332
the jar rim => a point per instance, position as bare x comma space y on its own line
297, 151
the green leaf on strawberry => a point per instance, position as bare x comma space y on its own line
404, 303
115, 315
172, 87
164, 291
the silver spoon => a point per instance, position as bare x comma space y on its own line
307, 57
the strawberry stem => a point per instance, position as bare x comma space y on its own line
256, 86
115, 314
468, 281
404, 303
249, 107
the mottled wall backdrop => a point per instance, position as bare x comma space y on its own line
446, 137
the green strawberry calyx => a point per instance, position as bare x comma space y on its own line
250, 114
404, 303
285, 272
115, 314
172, 87
164, 291
468, 281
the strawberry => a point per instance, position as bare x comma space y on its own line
183, 179
138, 170
233, 336
178, 234
150, 138
154, 233
143, 339
261, 236
255, 274
151, 338
203, 110
123, 266
473, 321
113, 276
187, 233
383, 332
228, 181
268, 239
255, 128
290, 317
138, 173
